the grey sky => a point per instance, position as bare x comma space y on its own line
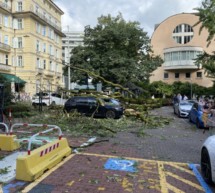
79, 13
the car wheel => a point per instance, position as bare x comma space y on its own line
110, 114
198, 124
206, 166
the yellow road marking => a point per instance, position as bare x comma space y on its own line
174, 189
185, 181
132, 158
182, 169
70, 183
37, 181
162, 177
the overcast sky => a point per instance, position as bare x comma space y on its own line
79, 13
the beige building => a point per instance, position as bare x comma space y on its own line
178, 42
31, 44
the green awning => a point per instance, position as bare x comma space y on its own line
12, 78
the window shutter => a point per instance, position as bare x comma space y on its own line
15, 24
15, 42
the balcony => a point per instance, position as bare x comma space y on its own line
4, 67
179, 58
49, 73
58, 74
4, 47
5, 6
44, 18
39, 70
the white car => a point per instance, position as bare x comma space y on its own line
48, 99
208, 160
182, 109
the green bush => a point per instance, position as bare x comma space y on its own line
20, 110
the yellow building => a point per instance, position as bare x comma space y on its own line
30, 44
178, 42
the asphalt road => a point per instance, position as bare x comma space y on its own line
180, 141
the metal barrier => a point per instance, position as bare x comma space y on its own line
36, 162
43, 132
31, 125
6, 128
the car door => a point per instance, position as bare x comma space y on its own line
93, 107
194, 112
82, 105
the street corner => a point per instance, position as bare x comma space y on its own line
91, 173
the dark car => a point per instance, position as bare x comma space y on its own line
99, 107
196, 114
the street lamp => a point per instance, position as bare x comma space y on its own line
191, 89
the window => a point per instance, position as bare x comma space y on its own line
44, 47
183, 34
19, 23
44, 64
38, 46
199, 74
38, 63
166, 75
19, 6
19, 39
20, 61
37, 9
6, 59
6, 21
37, 27
187, 75
44, 30
6, 41
177, 75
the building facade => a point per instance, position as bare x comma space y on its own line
72, 40
178, 42
31, 43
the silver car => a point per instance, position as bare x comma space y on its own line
182, 109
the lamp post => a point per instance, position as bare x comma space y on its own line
69, 76
191, 89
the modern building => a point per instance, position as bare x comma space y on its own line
31, 45
72, 39
178, 41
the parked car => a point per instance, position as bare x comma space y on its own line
196, 114
99, 107
182, 109
208, 160
48, 99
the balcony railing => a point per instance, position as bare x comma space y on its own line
179, 65
43, 17
5, 47
5, 6
58, 74
49, 73
5, 67
40, 71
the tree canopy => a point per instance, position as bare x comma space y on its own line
116, 50
206, 15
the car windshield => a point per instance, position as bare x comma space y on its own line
186, 104
109, 101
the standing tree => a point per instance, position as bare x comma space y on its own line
206, 15
116, 50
